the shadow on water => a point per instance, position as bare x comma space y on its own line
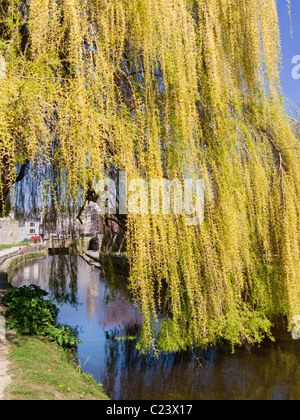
103, 315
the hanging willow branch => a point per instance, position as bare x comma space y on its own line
282, 166
165, 89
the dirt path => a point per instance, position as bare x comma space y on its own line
5, 379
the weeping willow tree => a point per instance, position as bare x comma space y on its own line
159, 89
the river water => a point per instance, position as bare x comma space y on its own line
98, 308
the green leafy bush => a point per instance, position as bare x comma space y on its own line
29, 313
63, 336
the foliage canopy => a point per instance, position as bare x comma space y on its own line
166, 88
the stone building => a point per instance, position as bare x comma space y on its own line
13, 231
49, 224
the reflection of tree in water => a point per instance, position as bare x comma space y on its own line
63, 279
116, 288
270, 372
134, 373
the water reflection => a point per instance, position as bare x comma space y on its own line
58, 275
63, 278
269, 372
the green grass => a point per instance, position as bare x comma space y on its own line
41, 371
13, 245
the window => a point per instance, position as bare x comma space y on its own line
32, 224
32, 230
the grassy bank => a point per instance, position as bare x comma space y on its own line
42, 371
2, 247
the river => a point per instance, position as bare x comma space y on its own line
101, 312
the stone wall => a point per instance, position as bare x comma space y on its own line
9, 262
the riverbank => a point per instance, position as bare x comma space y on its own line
41, 371
32, 368
10, 259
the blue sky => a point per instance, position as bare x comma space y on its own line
290, 48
